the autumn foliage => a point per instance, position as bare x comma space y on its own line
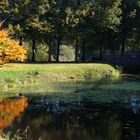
11, 108
10, 50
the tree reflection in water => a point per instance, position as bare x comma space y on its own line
135, 104
51, 118
10, 109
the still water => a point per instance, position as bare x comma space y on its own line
73, 111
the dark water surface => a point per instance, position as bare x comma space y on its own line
76, 112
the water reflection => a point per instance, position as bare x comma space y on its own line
53, 118
10, 109
135, 104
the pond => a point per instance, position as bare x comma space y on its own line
72, 111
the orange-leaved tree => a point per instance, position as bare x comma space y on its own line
10, 50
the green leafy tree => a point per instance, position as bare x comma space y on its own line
130, 21
107, 18
76, 20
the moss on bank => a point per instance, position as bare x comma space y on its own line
14, 75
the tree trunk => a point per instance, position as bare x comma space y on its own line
33, 48
76, 50
78, 2
101, 53
21, 40
49, 51
49, 54
83, 50
58, 49
134, 49
123, 46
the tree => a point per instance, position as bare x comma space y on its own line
56, 20
130, 22
10, 50
107, 18
14, 11
92, 19
36, 24
4, 9
77, 17
25, 19
90, 26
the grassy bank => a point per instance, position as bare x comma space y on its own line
13, 75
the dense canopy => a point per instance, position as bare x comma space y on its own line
91, 29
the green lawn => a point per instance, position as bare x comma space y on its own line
15, 74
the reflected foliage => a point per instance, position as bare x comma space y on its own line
51, 117
10, 109
78, 112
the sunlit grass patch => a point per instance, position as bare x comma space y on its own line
25, 74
